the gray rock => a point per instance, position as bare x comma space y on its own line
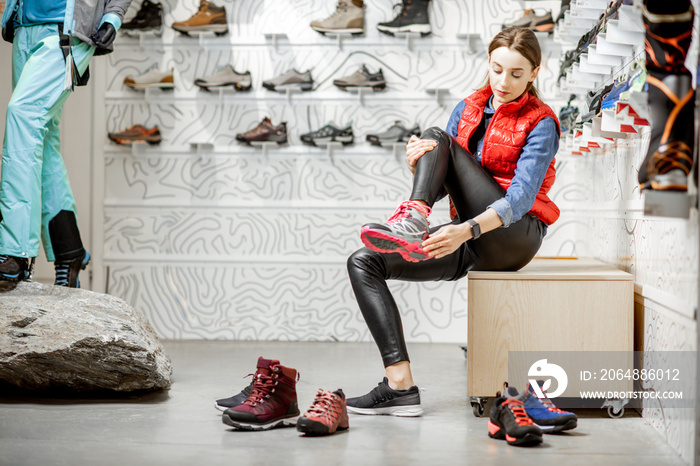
63, 338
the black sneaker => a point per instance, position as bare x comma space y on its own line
509, 421
149, 18
14, 269
67, 271
329, 133
413, 17
236, 400
385, 400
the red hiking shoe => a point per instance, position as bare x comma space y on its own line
272, 401
509, 421
403, 232
327, 414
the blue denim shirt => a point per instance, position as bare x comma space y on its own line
540, 148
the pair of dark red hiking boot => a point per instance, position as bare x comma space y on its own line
271, 401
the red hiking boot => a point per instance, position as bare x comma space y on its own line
272, 401
327, 414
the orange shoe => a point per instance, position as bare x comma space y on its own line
209, 18
327, 414
136, 133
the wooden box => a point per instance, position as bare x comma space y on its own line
552, 305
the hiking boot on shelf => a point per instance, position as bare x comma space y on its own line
14, 269
265, 132
209, 18
152, 78
542, 411
272, 401
362, 78
136, 133
412, 17
508, 421
327, 414
67, 271
225, 403
395, 133
290, 79
402, 233
329, 133
669, 158
565, 6
667, 38
226, 76
348, 18
149, 18
594, 100
532, 21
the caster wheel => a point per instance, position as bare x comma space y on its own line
616, 414
478, 409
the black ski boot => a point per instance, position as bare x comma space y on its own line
413, 17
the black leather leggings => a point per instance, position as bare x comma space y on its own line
447, 168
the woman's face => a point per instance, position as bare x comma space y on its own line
509, 75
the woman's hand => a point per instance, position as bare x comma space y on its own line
415, 148
447, 240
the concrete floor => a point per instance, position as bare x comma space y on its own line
181, 426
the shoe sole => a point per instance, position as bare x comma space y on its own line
245, 141
376, 87
571, 424
528, 439
150, 85
222, 408
379, 141
304, 87
215, 28
344, 140
385, 244
139, 32
400, 411
237, 86
14, 278
309, 427
127, 141
423, 29
353, 31
284, 422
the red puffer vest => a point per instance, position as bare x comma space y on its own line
504, 140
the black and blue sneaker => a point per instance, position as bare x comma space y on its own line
14, 269
67, 271
544, 414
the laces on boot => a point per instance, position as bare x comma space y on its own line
263, 386
402, 211
324, 405
516, 407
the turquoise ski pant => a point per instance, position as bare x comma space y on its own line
34, 189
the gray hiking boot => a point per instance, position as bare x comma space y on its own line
362, 78
226, 76
349, 17
533, 21
403, 233
329, 133
291, 79
396, 133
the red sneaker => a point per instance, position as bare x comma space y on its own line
327, 414
272, 402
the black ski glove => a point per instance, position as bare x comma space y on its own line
104, 36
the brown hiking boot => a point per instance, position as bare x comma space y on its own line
348, 18
264, 132
272, 402
209, 18
14, 269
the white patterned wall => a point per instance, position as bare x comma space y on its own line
231, 242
